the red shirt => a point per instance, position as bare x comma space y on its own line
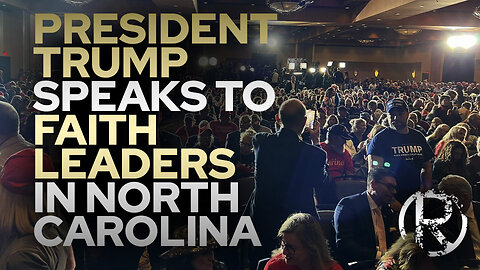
338, 164
220, 131
278, 263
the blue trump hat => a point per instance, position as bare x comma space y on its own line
396, 103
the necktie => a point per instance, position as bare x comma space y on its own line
380, 230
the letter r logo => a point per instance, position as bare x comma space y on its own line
432, 225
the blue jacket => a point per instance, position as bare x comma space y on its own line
355, 233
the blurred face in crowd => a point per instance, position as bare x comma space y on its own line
348, 103
342, 114
293, 250
361, 127
446, 102
224, 117
332, 121
461, 134
246, 146
459, 155
397, 118
245, 123
384, 189
189, 122
205, 139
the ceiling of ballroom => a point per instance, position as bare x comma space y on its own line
374, 23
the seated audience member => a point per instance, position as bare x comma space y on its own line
343, 119
469, 248
331, 120
223, 126
192, 140
205, 140
405, 254
446, 112
358, 134
474, 165
244, 159
188, 129
362, 221
453, 159
473, 120
10, 140
303, 246
437, 135
256, 120
470, 140
19, 248
339, 160
455, 133
233, 138
434, 124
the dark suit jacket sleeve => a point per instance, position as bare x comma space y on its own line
325, 191
347, 229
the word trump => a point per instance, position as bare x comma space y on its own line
134, 31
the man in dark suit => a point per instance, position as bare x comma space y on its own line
292, 85
362, 221
289, 173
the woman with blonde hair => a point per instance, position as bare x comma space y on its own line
437, 135
405, 254
455, 133
303, 246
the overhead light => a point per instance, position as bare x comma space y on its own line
252, 69
342, 65
463, 41
212, 61
366, 41
330, 63
376, 73
347, 7
397, 14
323, 69
288, 6
407, 31
422, 6
297, 73
291, 66
203, 61
379, 19
312, 70
243, 68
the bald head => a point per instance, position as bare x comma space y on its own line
9, 119
292, 114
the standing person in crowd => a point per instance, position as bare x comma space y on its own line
10, 140
331, 120
339, 160
289, 173
404, 150
343, 119
362, 221
303, 246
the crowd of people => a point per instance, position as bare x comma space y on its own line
395, 137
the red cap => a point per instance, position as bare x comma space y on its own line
18, 174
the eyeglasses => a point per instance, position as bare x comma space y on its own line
287, 247
389, 186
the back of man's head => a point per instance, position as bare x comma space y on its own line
9, 120
292, 113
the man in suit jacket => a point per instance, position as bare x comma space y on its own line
287, 172
233, 138
362, 221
